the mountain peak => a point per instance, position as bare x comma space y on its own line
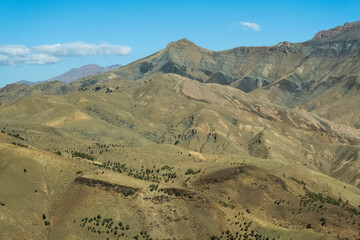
182, 42
90, 65
336, 30
76, 73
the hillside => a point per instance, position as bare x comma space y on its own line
187, 144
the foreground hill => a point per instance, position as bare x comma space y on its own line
152, 152
193, 160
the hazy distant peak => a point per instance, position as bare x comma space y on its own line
76, 73
25, 82
112, 67
90, 66
336, 30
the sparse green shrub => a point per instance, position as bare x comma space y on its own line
167, 168
192, 172
129, 192
323, 221
154, 187
83, 155
227, 205
96, 89
311, 197
169, 176
147, 174
298, 181
19, 144
16, 135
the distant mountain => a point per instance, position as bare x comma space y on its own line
29, 83
76, 73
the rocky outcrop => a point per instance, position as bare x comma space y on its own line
336, 31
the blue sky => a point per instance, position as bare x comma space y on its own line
42, 39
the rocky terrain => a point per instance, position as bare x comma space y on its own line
336, 30
188, 143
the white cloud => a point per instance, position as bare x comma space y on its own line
83, 49
36, 59
249, 25
14, 50
50, 53
3, 59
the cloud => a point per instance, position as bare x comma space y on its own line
14, 50
51, 53
83, 49
248, 25
36, 59
3, 58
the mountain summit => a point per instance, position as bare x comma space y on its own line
181, 42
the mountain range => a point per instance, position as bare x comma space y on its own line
306, 74
189, 143
75, 73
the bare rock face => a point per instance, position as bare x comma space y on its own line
336, 31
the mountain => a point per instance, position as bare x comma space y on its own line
182, 145
25, 82
288, 74
76, 73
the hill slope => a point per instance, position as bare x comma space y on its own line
119, 139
